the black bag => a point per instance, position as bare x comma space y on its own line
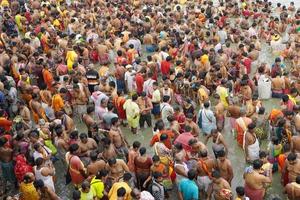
68, 175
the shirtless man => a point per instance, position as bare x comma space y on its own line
116, 168
88, 119
251, 144
292, 167
295, 144
218, 186
118, 140
197, 146
205, 168
79, 101
220, 114
255, 182
246, 91
189, 122
224, 166
293, 189
95, 165
86, 146
109, 149
278, 85
36, 108
66, 121
25, 114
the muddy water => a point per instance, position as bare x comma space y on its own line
235, 155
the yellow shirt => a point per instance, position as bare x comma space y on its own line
223, 93
103, 71
112, 195
71, 57
28, 192
97, 186
182, 2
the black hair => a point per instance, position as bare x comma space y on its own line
240, 191
112, 161
216, 174
257, 164
292, 156
121, 192
127, 176
73, 148
192, 174
142, 150
136, 144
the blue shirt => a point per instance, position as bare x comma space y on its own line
188, 189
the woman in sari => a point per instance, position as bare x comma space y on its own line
165, 159
21, 167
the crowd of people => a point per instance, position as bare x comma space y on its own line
78, 77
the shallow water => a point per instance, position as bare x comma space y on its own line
235, 155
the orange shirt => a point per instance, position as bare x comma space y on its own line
5, 123
57, 103
48, 78
168, 142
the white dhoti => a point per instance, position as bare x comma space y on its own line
203, 183
253, 151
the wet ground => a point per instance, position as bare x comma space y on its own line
235, 155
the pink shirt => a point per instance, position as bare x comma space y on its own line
184, 139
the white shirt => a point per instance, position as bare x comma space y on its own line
130, 79
148, 86
166, 110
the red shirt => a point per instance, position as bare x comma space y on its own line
184, 139
247, 63
165, 67
139, 80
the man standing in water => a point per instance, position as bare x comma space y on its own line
251, 144
255, 181
293, 189
292, 167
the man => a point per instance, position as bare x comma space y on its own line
219, 188
206, 119
293, 189
292, 167
241, 125
97, 183
166, 110
47, 76
76, 167
88, 119
38, 111
184, 138
120, 77
223, 164
45, 191
117, 168
139, 81
92, 77
145, 106
95, 165
220, 114
255, 182
295, 144
278, 85
187, 188
157, 189
80, 101
251, 144
109, 115
112, 195
117, 137
222, 91
161, 130
132, 113
148, 85
57, 100
204, 168
86, 144
194, 127
129, 79
156, 98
